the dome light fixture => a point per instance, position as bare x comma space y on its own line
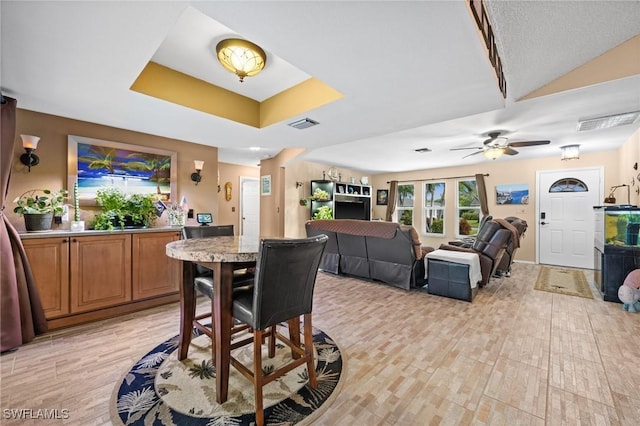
493, 152
241, 57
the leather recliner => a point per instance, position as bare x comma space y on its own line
520, 225
490, 245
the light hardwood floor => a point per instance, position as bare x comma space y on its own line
514, 356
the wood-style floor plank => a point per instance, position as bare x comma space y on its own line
515, 356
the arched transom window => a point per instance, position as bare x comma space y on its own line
568, 185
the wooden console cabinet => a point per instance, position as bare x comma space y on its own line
84, 278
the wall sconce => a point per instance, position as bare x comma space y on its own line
612, 200
196, 176
29, 143
570, 152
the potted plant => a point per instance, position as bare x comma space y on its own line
324, 212
38, 206
124, 211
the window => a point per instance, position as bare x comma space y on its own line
568, 185
404, 207
468, 207
434, 208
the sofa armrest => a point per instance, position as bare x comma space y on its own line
457, 248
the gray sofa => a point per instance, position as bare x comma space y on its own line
376, 250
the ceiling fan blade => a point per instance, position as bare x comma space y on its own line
460, 149
528, 143
474, 153
509, 151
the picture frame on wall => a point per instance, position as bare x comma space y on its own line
382, 197
265, 185
517, 193
95, 164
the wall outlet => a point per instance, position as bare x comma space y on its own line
190, 214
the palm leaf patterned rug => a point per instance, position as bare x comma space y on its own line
161, 390
571, 282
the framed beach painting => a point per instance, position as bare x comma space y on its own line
517, 193
94, 164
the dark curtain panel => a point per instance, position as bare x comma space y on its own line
21, 314
482, 194
392, 200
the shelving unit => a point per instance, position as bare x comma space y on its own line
347, 200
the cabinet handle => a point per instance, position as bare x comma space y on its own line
74, 240
64, 240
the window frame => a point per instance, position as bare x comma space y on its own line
426, 209
400, 209
458, 208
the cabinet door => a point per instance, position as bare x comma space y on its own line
154, 274
49, 260
100, 271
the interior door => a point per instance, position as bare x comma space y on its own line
249, 206
566, 220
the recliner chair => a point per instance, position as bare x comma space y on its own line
490, 245
504, 267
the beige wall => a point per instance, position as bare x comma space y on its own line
51, 173
228, 211
511, 171
272, 207
305, 172
628, 157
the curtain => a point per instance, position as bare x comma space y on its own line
21, 314
392, 199
482, 194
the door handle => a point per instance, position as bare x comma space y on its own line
543, 223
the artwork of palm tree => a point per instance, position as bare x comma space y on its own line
131, 171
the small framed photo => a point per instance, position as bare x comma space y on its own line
382, 197
265, 185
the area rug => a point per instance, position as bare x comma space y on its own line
160, 390
563, 281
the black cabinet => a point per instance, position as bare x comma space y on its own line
612, 267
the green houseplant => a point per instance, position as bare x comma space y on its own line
122, 210
324, 212
38, 206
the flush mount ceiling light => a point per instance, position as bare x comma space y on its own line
241, 57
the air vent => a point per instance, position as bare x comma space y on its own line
608, 121
303, 124
423, 150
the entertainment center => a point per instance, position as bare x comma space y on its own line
346, 200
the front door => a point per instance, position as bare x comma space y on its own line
249, 206
565, 217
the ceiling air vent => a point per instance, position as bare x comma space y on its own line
608, 121
423, 150
303, 124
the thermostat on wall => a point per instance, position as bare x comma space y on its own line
204, 218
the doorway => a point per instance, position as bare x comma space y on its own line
249, 206
565, 220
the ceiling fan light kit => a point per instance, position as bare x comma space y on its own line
241, 57
497, 145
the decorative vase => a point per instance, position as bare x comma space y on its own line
176, 217
77, 226
35, 222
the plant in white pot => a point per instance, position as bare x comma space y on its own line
38, 206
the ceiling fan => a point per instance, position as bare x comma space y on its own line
497, 145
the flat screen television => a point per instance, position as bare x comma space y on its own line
352, 210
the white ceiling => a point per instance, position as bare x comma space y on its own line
413, 74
